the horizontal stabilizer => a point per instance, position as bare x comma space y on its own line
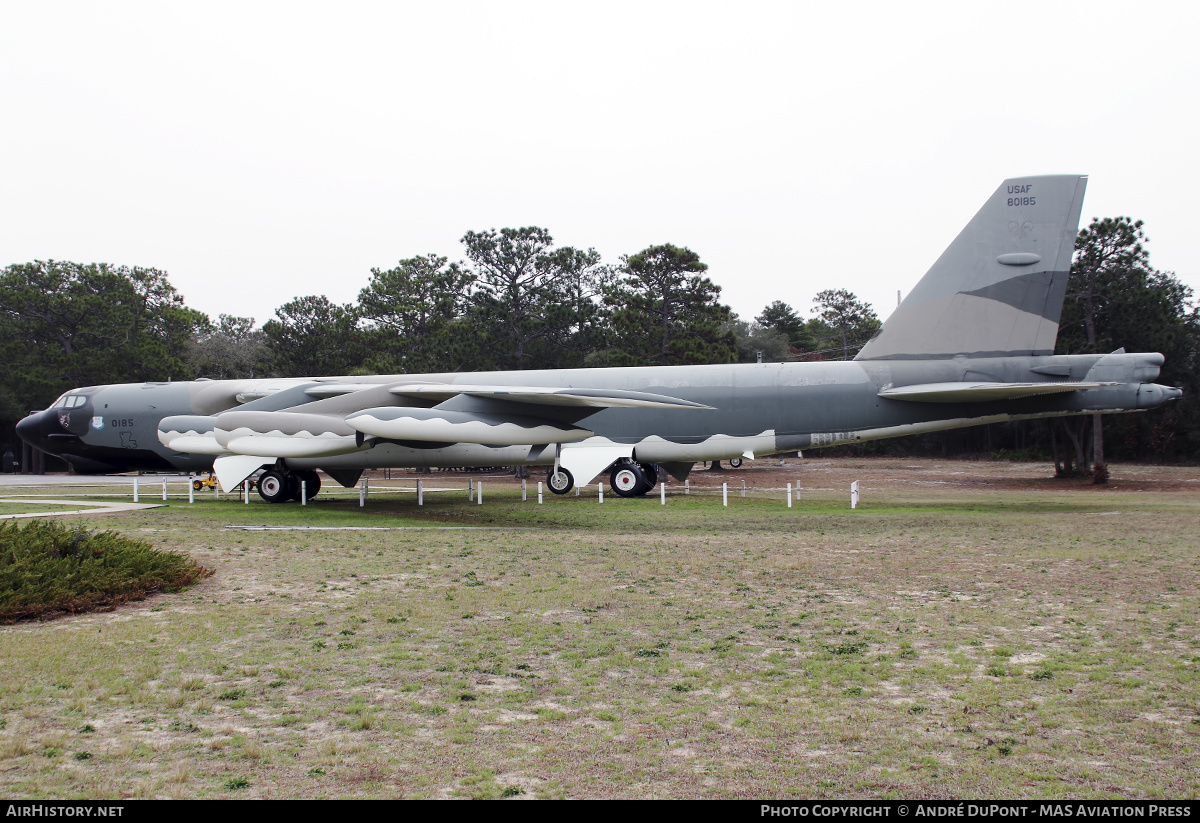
548, 396
981, 392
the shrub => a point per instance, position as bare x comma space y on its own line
47, 569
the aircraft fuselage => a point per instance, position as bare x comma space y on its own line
752, 409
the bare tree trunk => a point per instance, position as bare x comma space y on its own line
1099, 467
1078, 440
1058, 469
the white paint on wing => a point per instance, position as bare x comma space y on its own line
440, 430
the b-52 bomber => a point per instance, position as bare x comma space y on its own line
971, 344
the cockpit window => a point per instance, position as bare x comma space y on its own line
69, 401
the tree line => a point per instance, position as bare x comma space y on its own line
517, 301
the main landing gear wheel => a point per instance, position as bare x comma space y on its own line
650, 472
628, 480
561, 481
274, 487
311, 481
735, 463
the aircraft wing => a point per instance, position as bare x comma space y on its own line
356, 418
981, 392
499, 424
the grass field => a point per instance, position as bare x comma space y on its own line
972, 630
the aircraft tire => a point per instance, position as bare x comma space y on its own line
627, 479
735, 463
312, 483
650, 473
560, 482
273, 487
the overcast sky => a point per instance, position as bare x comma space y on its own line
261, 151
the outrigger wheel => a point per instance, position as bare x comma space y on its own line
561, 481
735, 463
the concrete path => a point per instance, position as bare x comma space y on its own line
93, 508
83, 480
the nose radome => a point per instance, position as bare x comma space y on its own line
33, 429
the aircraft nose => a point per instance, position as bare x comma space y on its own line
36, 429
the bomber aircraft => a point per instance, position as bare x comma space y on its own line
971, 344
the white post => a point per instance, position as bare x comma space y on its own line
797, 491
303, 492
479, 492
662, 493
539, 492
420, 492
724, 494
600, 486
135, 489
191, 490
523, 492
743, 488
164, 489
576, 491
789, 495
362, 494
854, 494
687, 486
470, 490
246, 491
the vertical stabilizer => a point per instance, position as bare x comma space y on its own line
998, 289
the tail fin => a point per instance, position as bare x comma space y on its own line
998, 289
